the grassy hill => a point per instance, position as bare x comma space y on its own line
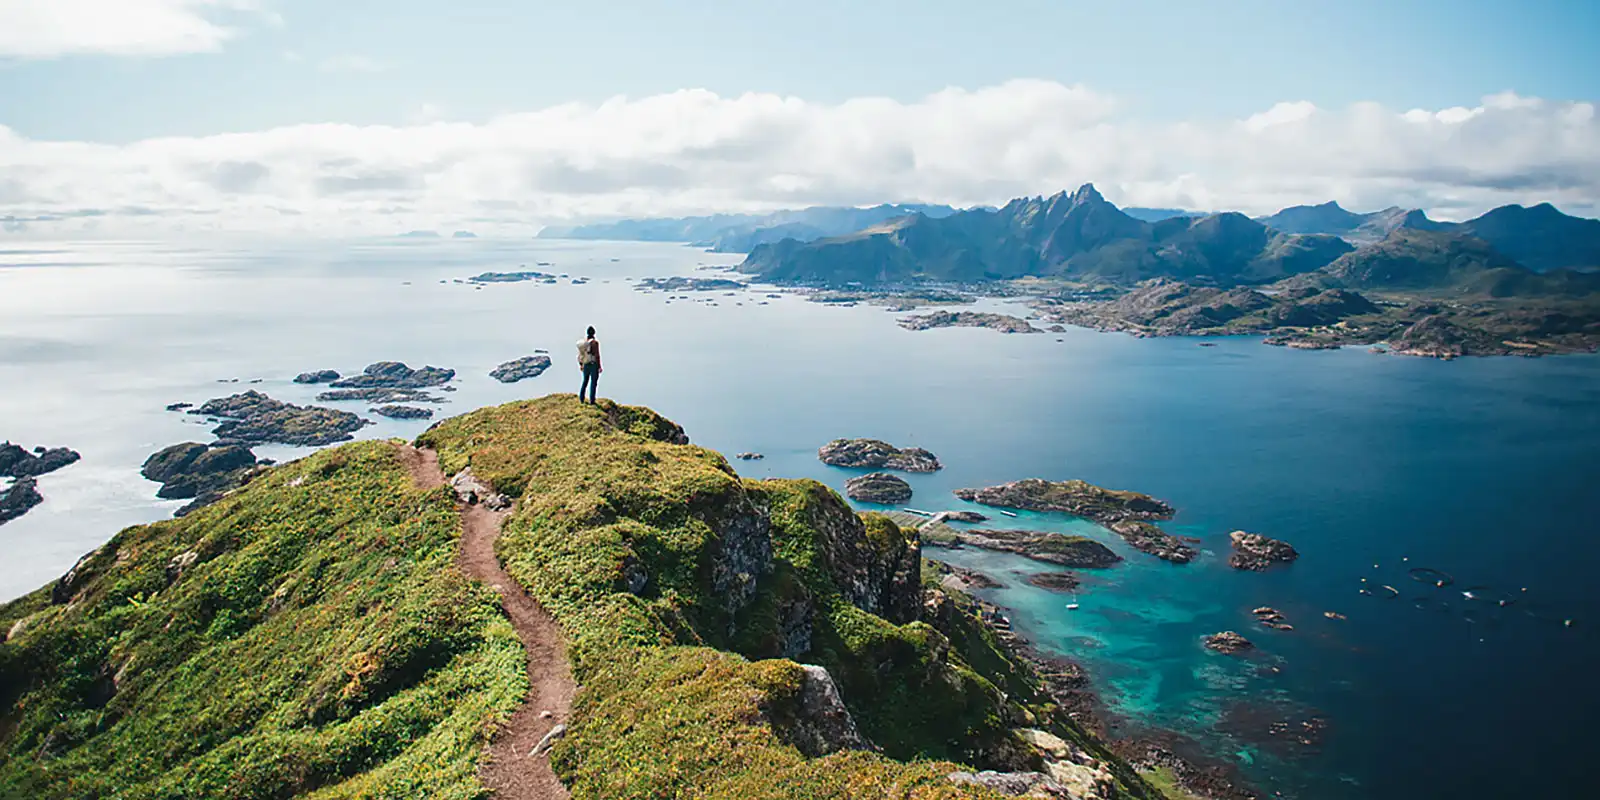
309, 635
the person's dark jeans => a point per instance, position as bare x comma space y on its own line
591, 381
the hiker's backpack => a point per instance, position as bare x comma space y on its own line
585, 353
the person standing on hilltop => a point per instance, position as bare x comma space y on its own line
589, 363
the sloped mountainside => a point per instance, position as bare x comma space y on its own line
1540, 238
1331, 218
738, 233
1439, 261
311, 635
1076, 235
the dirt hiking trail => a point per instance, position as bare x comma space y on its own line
512, 770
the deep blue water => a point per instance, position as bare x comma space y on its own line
1369, 465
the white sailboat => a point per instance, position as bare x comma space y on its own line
1073, 606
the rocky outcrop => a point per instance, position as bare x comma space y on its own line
1254, 552
1054, 581
749, 456
471, 490
17, 462
403, 412
876, 565
875, 454
1147, 538
878, 487
396, 375
253, 417
957, 579
512, 277
1078, 498
1051, 548
957, 516
822, 724
681, 284
203, 473
20, 496
317, 376
1228, 642
380, 394
521, 369
1124, 513
1013, 784
967, 319
1272, 618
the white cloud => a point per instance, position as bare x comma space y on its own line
695, 152
53, 28
351, 63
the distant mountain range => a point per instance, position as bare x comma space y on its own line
739, 233
1082, 236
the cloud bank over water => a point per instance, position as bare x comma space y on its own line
693, 151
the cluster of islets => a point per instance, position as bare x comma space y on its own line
204, 472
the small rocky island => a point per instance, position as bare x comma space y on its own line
317, 376
1051, 548
254, 418
1054, 581
403, 412
203, 473
874, 454
24, 467
681, 284
387, 382
967, 319
1254, 552
521, 369
878, 487
511, 277
1229, 643
1124, 513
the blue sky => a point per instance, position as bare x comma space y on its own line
472, 59
340, 116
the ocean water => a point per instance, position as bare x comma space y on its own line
1370, 465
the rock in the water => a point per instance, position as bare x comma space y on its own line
17, 462
1078, 498
967, 319
382, 394
403, 412
396, 375
878, 487
525, 367
15, 500
1051, 548
317, 376
1272, 618
1228, 642
681, 284
959, 516
198, 471
874, 454
255, 418
1124, 513
179, 406
750, 456
1054, 581
1255, 552
959, 579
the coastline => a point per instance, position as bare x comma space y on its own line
1071, 686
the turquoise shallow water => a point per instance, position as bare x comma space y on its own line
1483, 468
